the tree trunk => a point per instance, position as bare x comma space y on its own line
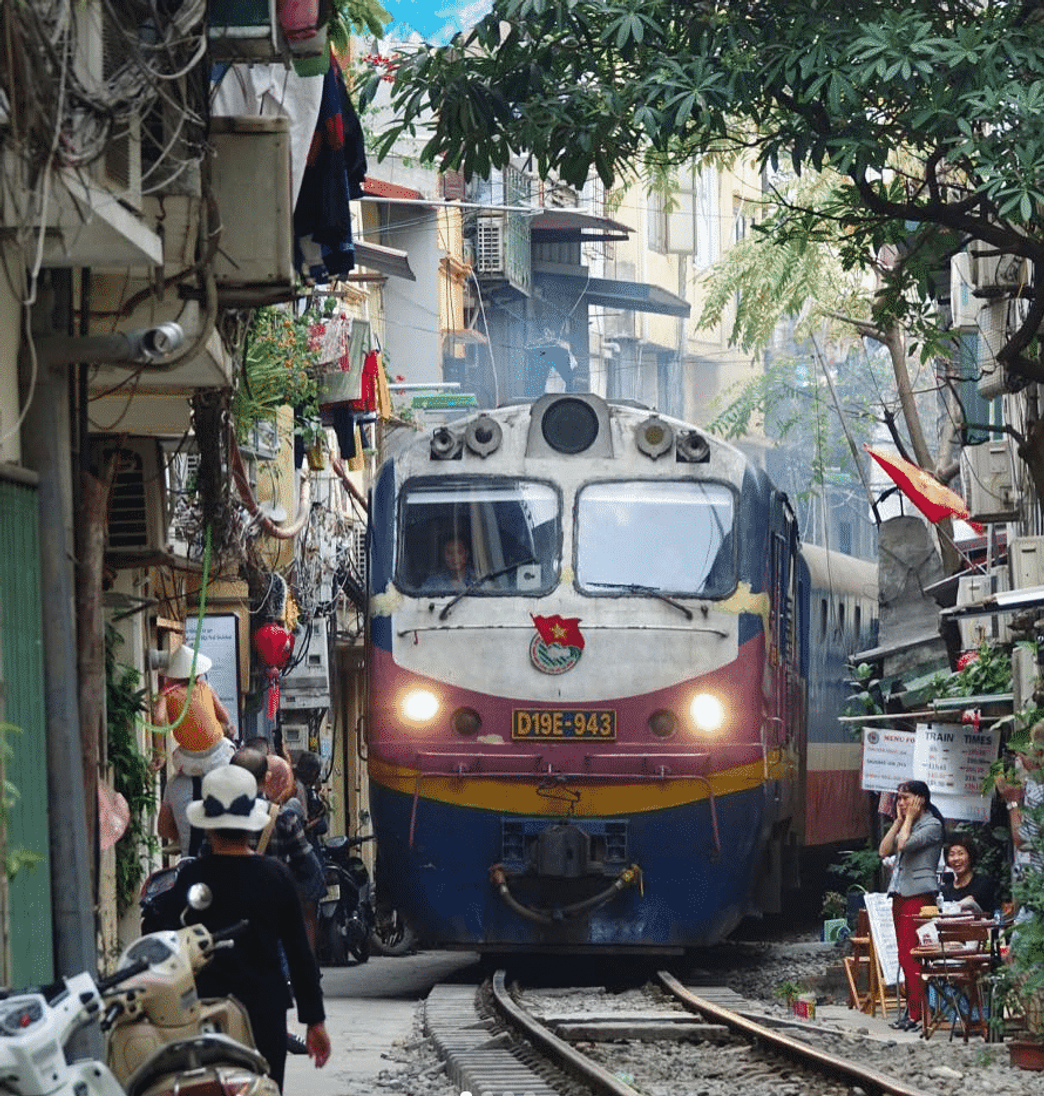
91, 628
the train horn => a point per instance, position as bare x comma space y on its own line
445, 445
692, 447
483, 436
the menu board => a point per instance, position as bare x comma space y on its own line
882, 932
888, 757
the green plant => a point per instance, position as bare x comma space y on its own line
132, 777
1019, 985
15, 859
788, 992
834, 905
859, 867
355, 16
280, 359
866, 697
985, 675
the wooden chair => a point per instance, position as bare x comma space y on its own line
952, 974
860, 966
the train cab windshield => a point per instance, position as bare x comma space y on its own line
635, 537
490, 536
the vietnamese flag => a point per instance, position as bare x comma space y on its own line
926, 493
564, 631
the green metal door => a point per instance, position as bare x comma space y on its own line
22, 699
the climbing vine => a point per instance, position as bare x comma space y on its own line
125, 699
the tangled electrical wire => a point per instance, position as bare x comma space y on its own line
77, 76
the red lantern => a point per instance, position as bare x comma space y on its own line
275, 644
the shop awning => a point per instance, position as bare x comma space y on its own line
608, 293
556, 225
386, 260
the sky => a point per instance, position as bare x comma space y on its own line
436, 21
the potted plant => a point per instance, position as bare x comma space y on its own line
1017, 989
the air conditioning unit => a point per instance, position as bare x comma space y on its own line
137, 518
991, 272
987, 476
993, 327
1026, 562
976, 630
1024, 674
101, 53
964, 306
489, 244
250, 181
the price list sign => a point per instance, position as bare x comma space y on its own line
954, 760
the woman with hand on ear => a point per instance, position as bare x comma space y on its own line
916, 839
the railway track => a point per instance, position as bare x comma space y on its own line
494, 1045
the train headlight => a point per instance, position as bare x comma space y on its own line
663, 723
707, 712
419, 706
466, 721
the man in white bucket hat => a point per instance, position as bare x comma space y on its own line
258, 889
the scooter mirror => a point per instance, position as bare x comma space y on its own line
200, 896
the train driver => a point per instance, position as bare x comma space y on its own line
457, 572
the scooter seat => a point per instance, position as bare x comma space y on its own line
196, 1053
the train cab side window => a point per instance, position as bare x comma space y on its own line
857, 623
822, 618
489, 536
656, 537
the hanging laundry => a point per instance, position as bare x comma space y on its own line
333, 176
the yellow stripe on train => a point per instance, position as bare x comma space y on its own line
609, 796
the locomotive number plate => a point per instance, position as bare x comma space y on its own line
534, 724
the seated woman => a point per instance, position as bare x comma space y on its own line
967, 883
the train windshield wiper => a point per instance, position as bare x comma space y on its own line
634, 588
480, 580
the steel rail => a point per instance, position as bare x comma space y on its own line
559, 1051
783, 1044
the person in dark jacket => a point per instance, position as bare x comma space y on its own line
251, 970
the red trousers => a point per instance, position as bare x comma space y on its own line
904, 910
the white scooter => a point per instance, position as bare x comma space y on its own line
35, 1027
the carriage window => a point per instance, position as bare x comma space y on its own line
490, 536
661, 537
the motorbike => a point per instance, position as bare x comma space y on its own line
36, 1025
346, 919
157, 894
162, 1037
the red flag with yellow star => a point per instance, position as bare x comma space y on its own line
926, 493
565, 631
